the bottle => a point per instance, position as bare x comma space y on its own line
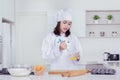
91, 34
114, 34
102, 34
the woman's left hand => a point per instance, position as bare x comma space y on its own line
77, 55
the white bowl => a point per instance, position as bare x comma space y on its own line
19, 71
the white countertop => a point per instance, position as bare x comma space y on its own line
59, 77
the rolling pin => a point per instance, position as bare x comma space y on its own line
75, 73
57, 72
69, 73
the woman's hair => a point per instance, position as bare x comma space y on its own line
57, 30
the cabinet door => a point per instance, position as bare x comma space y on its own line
0, 49
30, 31
1, 5
6, 48
8, 9
1, 10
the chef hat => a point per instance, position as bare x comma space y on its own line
64, 14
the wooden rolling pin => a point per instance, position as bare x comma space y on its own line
57, 72
75, 73
70, 73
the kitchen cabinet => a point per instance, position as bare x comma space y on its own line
103, 27
7, 16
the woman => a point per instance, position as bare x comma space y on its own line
60, 47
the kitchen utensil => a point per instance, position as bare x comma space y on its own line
57, 72
69, 73
110, 57
75, 73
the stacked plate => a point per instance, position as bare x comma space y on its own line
103, 71
100, 69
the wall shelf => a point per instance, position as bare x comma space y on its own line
104, 24
103, 28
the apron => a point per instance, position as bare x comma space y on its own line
63, 62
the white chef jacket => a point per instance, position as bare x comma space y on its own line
60, 60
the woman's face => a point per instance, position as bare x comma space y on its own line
65, 25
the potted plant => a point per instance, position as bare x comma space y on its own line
109, 18
96, 18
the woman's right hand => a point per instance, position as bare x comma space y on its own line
63, 45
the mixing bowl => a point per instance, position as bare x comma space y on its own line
21, 70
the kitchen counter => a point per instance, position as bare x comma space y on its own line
59, 77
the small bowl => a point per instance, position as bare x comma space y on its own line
41, 72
